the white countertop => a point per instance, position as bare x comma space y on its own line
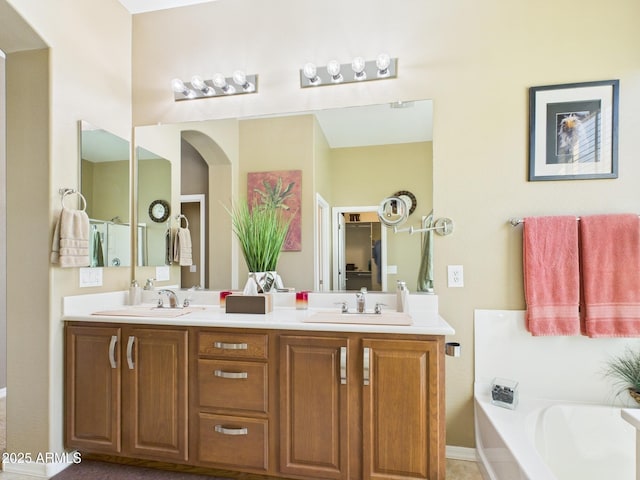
426, 321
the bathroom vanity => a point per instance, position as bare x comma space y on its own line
272, 394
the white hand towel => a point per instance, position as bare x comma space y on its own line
182, 247
70, 246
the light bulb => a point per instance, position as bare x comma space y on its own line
358, 64
241, 79
311, 73
221, 82
178, 86
382, 62
199, 84
333, 68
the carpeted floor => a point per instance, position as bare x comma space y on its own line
95, 470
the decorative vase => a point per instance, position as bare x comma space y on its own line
634, 394
260, 282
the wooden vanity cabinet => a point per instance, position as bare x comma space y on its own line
126, 390
283, 403
362, 406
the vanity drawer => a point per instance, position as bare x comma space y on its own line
236, 442
234, 345
233, 384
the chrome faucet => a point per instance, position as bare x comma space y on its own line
361, 303
173, 298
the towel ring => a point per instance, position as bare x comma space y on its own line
69, 191
186, 221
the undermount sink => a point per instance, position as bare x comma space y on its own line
384, 318
148, 311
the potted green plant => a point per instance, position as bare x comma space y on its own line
625, 370
261, 231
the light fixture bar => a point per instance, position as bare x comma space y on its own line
210, 89
325, 75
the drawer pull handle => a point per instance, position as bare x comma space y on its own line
343, 365
234, 375
230, 346
231, 431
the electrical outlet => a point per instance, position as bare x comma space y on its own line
455, 276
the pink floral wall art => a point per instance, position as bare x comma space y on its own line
280, 189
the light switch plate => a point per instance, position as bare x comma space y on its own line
90, 277
392, 269
455, 276
163, 273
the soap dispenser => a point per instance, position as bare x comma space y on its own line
402, 294
135, 293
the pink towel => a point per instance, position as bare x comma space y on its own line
551, 275
610, 247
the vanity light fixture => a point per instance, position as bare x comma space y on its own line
217, 86
382, 68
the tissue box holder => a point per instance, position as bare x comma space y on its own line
259, 304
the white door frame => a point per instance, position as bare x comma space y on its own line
321, 246
336, 212
200, 199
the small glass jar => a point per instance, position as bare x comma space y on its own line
504, 393
223, 298
302, 300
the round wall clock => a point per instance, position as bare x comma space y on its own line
406, 194
159, 211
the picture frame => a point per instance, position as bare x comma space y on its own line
573, 131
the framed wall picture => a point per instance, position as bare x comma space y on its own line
280, 189
573, 131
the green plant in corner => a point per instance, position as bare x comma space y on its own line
625, 370
261, 232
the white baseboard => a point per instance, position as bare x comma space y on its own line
461, 453
44, 467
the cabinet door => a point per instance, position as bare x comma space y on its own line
92, 388
155, 393
313, 407
402, 410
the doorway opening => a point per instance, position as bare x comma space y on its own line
359, 249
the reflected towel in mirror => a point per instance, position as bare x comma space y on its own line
182, 247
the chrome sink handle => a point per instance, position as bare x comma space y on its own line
378, 308
343, 307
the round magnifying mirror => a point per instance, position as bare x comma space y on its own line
393, 211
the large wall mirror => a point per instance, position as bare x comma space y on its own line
104, 173
349, 158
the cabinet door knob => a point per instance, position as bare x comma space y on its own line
366, 354
130, 352
230, 346
231, 430
343, 365
234, 375
112, 351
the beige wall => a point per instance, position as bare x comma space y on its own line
85, 74
3, 230
476, 60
